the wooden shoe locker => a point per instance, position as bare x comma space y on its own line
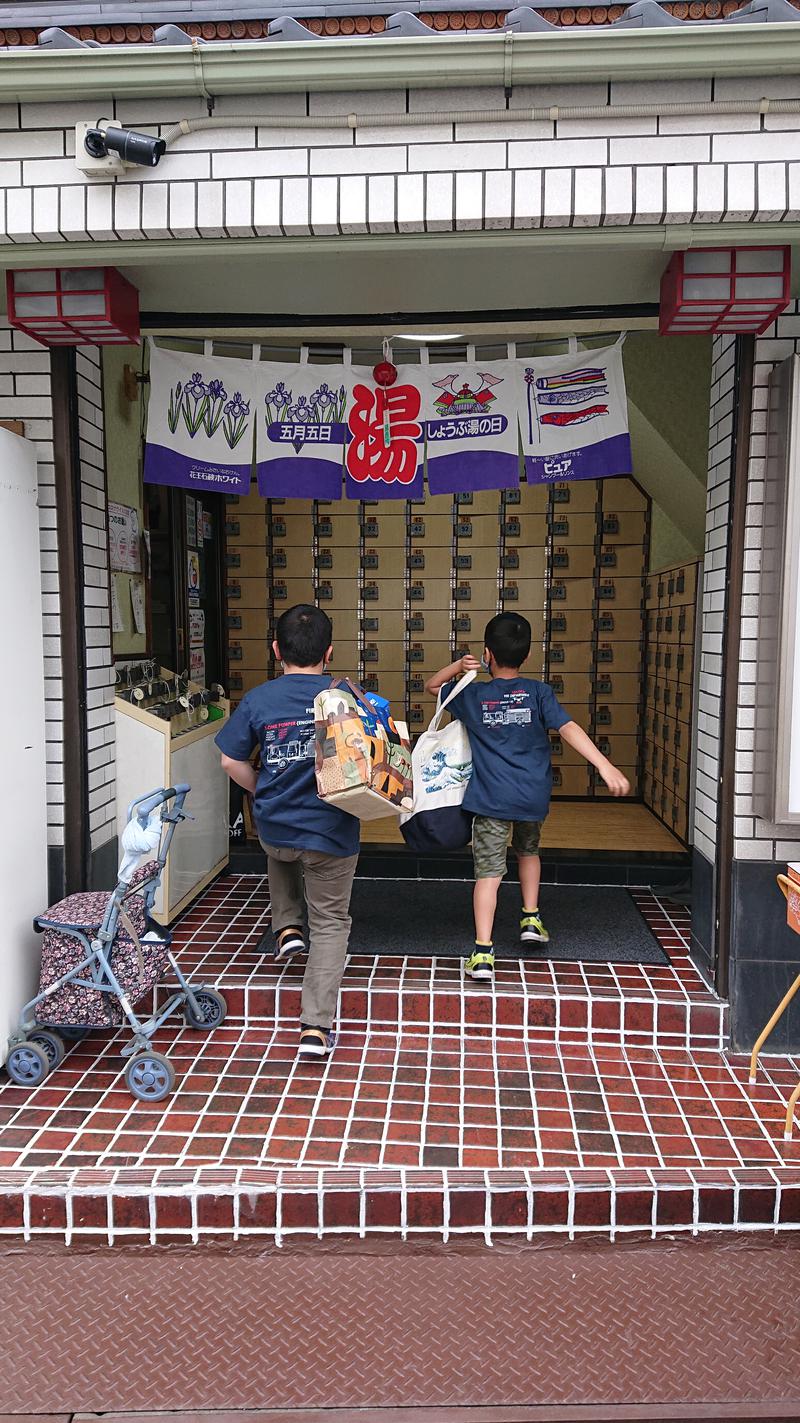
671, 604
410, 585
598, 537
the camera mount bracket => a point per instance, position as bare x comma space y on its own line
108, 163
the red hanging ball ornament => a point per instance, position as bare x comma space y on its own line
384, 373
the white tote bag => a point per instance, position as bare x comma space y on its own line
442, 766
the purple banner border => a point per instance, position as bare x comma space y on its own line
604, 460
169, 467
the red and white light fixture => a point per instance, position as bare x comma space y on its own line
74, 306
724, 289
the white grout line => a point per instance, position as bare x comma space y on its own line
642, 1106
607, 1109
356, 1086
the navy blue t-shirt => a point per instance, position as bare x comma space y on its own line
508, 720
279, 717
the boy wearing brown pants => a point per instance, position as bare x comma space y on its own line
311, 847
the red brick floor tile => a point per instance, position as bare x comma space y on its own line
462, 1085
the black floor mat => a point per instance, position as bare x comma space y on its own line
434, 917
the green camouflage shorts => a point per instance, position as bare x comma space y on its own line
490, 843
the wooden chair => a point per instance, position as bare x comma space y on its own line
786, 886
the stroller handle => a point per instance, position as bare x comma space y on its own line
144, 805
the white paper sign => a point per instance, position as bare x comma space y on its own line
137, 604
124, 545
117, 624
197, 665
197, 626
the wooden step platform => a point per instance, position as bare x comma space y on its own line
623, 826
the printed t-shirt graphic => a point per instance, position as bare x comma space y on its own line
279, 718
508, 720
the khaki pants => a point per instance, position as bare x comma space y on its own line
325, 882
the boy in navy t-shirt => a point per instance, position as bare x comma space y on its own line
311, 847
508, 720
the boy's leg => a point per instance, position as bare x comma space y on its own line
484, 903
489, 849
328, 885
530, 878
525, 840
285, 875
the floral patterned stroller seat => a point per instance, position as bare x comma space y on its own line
136, 965
102, 953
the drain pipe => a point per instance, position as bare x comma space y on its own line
548, 114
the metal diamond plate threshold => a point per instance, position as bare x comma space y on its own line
545, 1331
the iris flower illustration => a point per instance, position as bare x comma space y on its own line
234, 426
195, 404
215, 406
174, 411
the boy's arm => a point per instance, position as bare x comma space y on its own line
576, 737
236, 742
242, 772
453, 669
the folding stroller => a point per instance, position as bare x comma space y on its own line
101, 954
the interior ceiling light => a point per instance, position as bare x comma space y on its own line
416, 336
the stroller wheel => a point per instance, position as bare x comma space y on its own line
27, 1064
212, 1007
150, 1076
52, 1044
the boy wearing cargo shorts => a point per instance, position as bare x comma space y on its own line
311, 847
508, 720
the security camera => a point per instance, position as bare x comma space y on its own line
108, 147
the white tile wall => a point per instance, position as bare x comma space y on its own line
742, 168
757, 839
709, 701
94, 530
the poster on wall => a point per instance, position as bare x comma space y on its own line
197, 626
124, 539
574, 416
301, 430
117, 625
193, 574
197, 665
470, 415
384, 452
191, 522
200, 421
138, 606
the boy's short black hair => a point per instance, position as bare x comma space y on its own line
303, 634
508, 638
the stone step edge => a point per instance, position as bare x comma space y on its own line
279, 1204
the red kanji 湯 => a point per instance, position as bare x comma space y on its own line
368, 456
